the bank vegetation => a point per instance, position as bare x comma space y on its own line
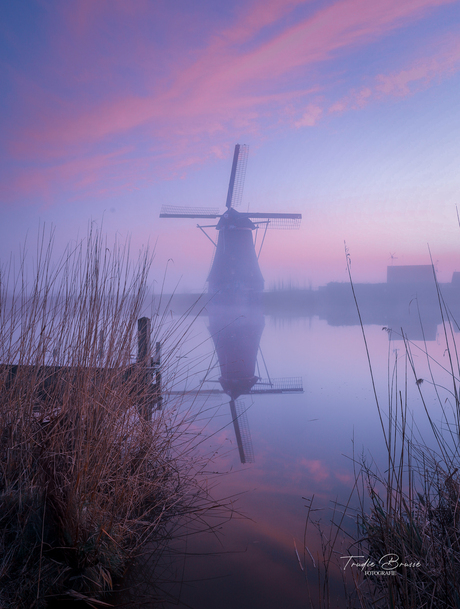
95, 461
395, 544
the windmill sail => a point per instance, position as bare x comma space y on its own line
275, 220
173, 211
237, 176
271, 219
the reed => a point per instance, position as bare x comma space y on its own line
86, 478
413, 509
407, 510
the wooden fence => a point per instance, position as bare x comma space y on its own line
50, 382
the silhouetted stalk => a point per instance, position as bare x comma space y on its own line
371, 372
450, 344
411, 510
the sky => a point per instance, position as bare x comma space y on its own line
350, 108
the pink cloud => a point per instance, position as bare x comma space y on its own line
95, 124
240, 80
343, 24
310, 117
253, 18
421, 73
78, 175
345, 478
440, 62
212, 85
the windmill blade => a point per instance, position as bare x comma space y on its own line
171, 211
279, 385
197, 392
276, 220
237, 175
242, 433
263, 386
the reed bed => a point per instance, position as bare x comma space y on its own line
403, 551
92, 464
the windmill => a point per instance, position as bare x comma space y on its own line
235, 267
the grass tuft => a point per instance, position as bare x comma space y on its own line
86, 476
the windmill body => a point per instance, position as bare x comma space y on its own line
235, 267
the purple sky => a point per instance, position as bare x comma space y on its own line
113, 108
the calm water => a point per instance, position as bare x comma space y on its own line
302, 446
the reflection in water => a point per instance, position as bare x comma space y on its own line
236, 325
236, 331
305, 445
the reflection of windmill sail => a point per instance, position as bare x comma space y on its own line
236, 329
242, 433
292, 384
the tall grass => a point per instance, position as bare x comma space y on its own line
414, 505
86, 479
406, 510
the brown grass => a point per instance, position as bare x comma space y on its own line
86, 479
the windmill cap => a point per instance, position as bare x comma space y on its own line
234, 219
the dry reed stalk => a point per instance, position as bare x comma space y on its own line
413, 511
85, 479
410, 510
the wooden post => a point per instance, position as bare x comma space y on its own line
144, 360
143, 340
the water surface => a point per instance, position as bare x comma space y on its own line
303, 445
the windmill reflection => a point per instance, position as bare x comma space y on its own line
236, 331
236, 325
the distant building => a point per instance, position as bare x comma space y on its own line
414, 273
456, 278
